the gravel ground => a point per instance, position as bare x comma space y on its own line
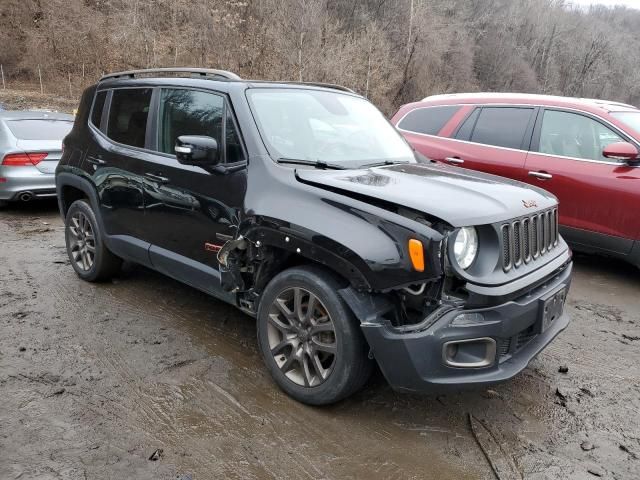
97, 379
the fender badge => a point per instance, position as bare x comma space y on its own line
529, 203
212, 247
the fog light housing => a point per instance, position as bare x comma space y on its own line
468, 319
469, 353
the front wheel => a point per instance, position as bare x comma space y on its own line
310, 340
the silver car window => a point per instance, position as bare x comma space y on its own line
39, 129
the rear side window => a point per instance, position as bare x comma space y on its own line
428, 121
128, 116
502, 126
465, 130
98, 108
35, 129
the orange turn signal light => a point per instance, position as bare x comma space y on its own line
416, 253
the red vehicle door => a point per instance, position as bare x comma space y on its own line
492, 139
598, 196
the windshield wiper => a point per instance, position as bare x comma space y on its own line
319, 164
382, 164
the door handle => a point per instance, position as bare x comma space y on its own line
455, 160
157, 178
96, 161
541, 175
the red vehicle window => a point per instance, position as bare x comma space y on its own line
428, 121
502, 126
569, 134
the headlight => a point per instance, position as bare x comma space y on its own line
465, 247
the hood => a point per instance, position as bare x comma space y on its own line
458, 196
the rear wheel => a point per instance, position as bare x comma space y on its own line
89, 256
310, 340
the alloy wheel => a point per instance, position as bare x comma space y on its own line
82, 243
302, 337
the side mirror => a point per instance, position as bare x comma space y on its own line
621, 151
197, 150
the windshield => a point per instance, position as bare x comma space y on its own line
320, 126
35, 129
631, 119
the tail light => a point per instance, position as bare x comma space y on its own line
23, 159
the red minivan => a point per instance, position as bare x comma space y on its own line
583, 151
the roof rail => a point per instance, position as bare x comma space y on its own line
324, 85
201, 72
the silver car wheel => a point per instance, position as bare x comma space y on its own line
82, 241
302, 337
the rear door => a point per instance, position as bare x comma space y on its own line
596, 194
193, 211
116, 162
493, 139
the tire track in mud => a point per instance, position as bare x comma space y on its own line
148, 411
152, 407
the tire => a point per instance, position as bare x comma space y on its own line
89, 256
3, 203
299, 360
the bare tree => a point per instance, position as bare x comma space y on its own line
392, 51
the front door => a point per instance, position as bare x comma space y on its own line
596, 194
192, 211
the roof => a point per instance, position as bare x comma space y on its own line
527, 98
33, 115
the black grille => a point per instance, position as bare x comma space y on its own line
517, 244
525, 239
506, 254
525, 337
505, 345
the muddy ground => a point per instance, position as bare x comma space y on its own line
95, 378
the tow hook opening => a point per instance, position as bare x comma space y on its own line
469, 353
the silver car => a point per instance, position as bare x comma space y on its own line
30, 147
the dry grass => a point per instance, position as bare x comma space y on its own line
12, 99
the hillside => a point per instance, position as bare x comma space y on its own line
392, 51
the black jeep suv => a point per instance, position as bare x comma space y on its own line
301, 205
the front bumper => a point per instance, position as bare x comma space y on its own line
414, 361
17, 180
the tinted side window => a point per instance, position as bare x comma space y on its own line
502, 126
128, 116
464, 132
235, 153
98, 108
188, 112
428, 120
573, 135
